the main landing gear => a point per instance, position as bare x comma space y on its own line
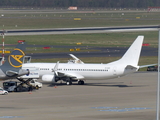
69, 82
81, 82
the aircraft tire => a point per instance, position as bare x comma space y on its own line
69, 83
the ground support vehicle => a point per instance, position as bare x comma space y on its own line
3, 92
152, 68
24, 85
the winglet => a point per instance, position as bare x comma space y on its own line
56, 68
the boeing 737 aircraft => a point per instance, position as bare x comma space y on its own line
53, 72
12, 66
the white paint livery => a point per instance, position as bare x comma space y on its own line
52, 72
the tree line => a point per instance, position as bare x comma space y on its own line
81, 3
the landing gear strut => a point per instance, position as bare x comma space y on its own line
68, 82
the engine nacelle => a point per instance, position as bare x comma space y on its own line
48, 78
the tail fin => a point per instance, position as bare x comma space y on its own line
15, 60
131, 57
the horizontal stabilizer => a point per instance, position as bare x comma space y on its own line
143, 66
11, 73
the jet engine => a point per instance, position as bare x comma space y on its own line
48, 78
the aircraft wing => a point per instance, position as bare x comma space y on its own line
67, 74
71, 75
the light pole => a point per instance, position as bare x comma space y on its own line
158, 87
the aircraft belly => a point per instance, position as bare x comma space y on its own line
45, 73
97, 76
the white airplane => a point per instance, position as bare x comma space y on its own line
53, 72
12, 66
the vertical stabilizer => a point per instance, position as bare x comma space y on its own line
131, 57
15, 59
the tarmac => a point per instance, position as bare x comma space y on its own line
132, 97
